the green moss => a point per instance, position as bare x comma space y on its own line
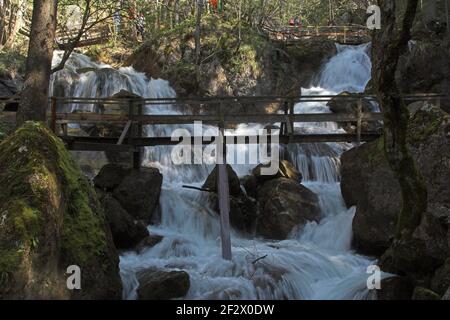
43, 190
425, 123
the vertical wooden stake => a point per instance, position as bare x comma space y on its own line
224, 198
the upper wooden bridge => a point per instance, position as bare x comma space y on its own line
350, 35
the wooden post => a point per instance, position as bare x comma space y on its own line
137, 132
53, 119
359, 121
223, 195
283, 129
345, 35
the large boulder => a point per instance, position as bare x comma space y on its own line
341, 105
110, 176
139, 191
162, 285
368, 183
285, 170
51, 219
284, 205
126, 231
233, 181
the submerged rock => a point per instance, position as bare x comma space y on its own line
162, 285
283, 205
50, 219
148, 242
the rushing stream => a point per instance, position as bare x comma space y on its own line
315, 263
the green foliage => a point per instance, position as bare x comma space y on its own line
11, 63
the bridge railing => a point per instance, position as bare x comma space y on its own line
131, 115
343, 34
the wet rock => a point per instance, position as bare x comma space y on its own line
162, 285
109, 177
441, 279
421, 293
233, 181
285, 170
139, 191
148, 242
395, 288
126, 231
250, 184
284, 205
340, 105
369, 184
243, 213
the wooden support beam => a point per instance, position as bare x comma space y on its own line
124, 132
224, 208
283, 139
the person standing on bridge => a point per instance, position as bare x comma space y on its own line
298, 22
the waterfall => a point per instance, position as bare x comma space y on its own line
316, 262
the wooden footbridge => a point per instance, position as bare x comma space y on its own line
349, 35
129, 115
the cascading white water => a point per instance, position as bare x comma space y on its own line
314, 263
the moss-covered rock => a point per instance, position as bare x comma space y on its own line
368, 183
50, 219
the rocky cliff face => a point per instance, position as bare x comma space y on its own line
426, 68
228, 66
368, 183
50, 219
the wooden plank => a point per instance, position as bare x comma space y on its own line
87, 146
91, 117
255, 118
295, 138
124, 132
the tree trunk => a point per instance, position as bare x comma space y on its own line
388, 44
34, 96
11, 20
197, 30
